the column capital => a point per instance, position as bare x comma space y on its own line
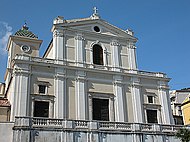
163, 88
118, 83
79, 37
135, 80
59, 76
58, 33
18, 71
115, 43
132, 47
80, 79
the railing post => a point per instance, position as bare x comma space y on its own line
156, 127
136, 127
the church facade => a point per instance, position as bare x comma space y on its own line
86, 87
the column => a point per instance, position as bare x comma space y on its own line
60, 94
79, 52
166, 112
80, 95
115, 55
132, 57
136, 100
119, 99
58, 45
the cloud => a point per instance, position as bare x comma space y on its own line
5, 32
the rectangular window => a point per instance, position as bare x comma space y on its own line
42, 89
152, 116
100, 109
41, 109
150, 99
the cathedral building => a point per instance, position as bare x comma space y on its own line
86, 87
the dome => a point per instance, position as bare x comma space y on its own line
24, 32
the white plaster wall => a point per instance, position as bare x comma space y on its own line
50, 54
6, 133
100, 87
71, 98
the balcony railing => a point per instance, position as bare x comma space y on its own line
45, 123
87, 65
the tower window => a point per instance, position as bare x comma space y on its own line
100, 109
97, 54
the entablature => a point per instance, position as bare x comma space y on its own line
89, 67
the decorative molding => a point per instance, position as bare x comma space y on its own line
118, 83
79, 37
132, 47
95, 42
57, 33
163, 88
101, 95
79, 78
58, 76
17, 71
136, 85
115, 43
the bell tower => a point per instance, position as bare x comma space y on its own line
23, 42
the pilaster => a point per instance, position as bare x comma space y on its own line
119, 99
79, 53
136, 100
80, 95
60, 94
132, 57
58, 44
20, 94
166, 112
115, 55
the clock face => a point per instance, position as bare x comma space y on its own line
25, 48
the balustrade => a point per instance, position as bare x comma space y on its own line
88, 125
81, 124
146, 127
47, 122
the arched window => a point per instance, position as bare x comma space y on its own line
97, 54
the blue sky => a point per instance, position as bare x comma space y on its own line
162, 27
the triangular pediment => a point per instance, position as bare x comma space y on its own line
88, 25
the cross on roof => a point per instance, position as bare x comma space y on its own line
95, 10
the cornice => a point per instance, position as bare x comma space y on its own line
100, 35
52, 63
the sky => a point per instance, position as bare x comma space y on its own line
161, 26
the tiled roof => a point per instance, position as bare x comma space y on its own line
4, 102
25, 33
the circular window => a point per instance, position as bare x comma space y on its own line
96, 29
25, 48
